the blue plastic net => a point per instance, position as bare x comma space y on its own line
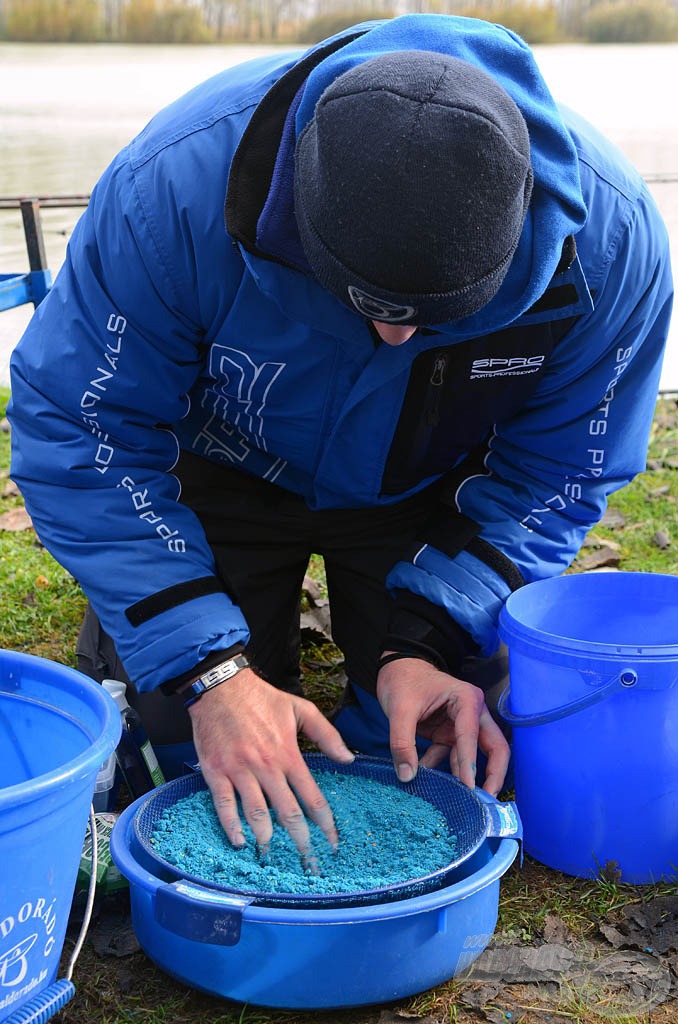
466, 815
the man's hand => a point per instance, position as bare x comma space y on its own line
245, 733
419, 699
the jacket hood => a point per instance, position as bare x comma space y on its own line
556, 209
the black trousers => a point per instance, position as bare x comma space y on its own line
262, 538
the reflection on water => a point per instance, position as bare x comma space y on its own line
66, 110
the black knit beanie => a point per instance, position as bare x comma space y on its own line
412, 181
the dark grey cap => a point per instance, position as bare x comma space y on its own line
412, 182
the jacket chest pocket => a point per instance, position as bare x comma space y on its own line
456, 394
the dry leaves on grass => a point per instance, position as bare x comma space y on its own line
650, 926
15, 520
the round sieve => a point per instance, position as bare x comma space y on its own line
470, 821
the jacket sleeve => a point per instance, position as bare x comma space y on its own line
103, 370
581, 436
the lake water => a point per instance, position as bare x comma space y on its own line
66, 110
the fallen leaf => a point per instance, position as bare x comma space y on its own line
312, 590
29, 599
613, 519
611, 872
657, 492
612, 934
520, 964
10, 490
478, 995
598, 559
651, 925
15, 520
317, 622
4, 425
114, 936
556, 930
41, 582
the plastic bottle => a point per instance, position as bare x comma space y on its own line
104, 786
134, 753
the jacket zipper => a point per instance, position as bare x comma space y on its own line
435, 390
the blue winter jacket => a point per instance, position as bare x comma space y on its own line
170, 327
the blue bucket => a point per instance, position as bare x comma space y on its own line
293, 958
593, 703
56, 729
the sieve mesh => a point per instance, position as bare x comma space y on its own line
466, 815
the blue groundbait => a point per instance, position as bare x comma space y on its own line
56, 729
594, 708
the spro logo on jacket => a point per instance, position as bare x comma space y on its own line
516, 366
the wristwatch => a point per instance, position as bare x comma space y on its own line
214, 676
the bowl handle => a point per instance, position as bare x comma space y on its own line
200, 914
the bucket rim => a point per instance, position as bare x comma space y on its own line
511, 627
83, 764
123, 841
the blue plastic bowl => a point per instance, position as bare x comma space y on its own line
289, 958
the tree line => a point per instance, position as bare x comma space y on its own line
308, 21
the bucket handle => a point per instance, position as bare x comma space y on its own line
622, 681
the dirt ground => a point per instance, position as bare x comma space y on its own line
624, 970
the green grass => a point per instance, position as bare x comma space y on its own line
42, 603
650, 503
42, 610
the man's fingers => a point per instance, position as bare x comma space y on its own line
466, 725
226, 806
291, 817
493, 743
434, 755
403, 721
255, 809
316, 805
315, 726
454, 762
